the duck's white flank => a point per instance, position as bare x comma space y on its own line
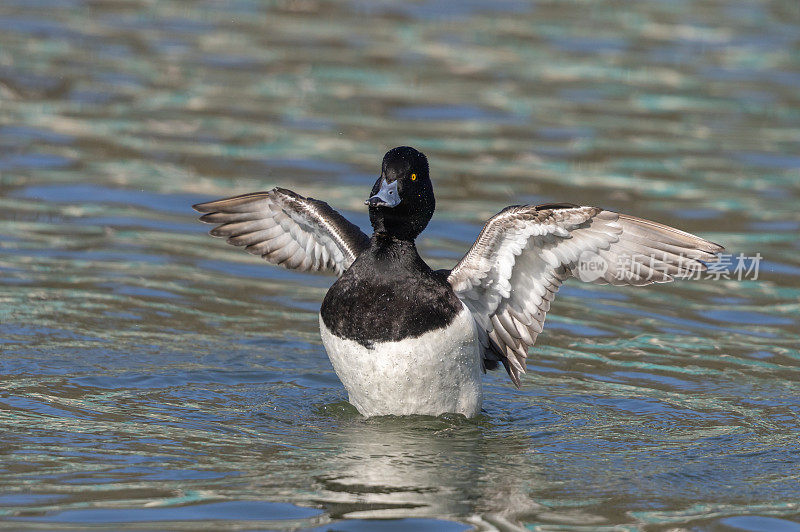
432, 374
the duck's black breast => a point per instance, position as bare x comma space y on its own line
388, 294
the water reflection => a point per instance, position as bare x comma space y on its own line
394, 468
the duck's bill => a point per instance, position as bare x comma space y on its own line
387, 196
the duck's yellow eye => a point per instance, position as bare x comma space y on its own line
413, 177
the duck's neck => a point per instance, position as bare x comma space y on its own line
394, 251
381, 240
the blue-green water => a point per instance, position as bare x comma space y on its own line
154, 378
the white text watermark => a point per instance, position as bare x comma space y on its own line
592, 266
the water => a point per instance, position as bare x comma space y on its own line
153, 377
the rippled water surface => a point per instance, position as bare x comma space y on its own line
154, 378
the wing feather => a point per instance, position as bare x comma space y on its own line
510, 276
287, 229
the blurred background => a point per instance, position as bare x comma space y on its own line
153, 377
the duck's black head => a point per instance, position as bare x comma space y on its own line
401, 203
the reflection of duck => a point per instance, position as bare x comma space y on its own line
425, 467
405, 339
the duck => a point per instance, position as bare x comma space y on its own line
405, 339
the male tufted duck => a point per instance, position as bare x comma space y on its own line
405, 339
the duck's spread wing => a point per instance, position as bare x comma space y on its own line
514, 269
287, 229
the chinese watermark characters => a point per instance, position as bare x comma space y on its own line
592, 266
